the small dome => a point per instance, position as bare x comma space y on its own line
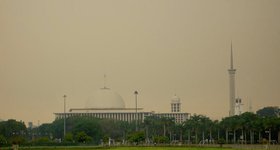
105, 98
175, 99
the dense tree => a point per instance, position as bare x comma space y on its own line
13, 131
154, 126
250, 120
187, 127
246, 128
205, 126
12, 127
199, 125
115, 129
277, 124
178, 132
90, 126
230, 125
44, 130
57, 129
3, 140
271, 111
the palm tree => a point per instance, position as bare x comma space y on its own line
205, 125
278, 128
259, 127
248, 124
216, 130
178, 128
228, 125
187, 127
195, 125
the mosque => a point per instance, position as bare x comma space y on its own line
105, 103
108, 104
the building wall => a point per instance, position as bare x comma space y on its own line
125, 116
179, 117
175, 107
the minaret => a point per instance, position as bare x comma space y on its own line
231, 72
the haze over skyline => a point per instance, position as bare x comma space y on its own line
50, 48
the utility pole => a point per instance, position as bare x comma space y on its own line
136, 118
64, 133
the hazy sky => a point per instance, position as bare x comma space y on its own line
49, 48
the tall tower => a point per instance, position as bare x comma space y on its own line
231, 72
175, 104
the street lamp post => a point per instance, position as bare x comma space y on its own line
136, 118
64, 133
269, 136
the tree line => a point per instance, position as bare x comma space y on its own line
247, 128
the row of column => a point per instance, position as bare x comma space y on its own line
116, 116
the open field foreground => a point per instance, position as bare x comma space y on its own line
145, 148
122, 148
118, 148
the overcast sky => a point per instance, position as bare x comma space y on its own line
49, 48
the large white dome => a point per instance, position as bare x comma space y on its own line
105, 98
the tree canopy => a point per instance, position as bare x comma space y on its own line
244, 128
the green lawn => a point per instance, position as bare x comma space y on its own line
169, 148
125, 148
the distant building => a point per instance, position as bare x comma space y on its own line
108, 104
176, 113
175, 104
30, 125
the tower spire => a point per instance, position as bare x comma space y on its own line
104, 81
231, 57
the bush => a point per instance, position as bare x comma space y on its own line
69, 138
136, 137
221, 142
3, 140
42, 141
82, 137
161, 139
17, 140
105, 139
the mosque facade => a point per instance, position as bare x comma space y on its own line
107, 104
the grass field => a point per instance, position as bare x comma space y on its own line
247, 147
123, 148
115, 148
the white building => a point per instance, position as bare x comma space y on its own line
176, 113
175, 104
108, 104
238, 106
